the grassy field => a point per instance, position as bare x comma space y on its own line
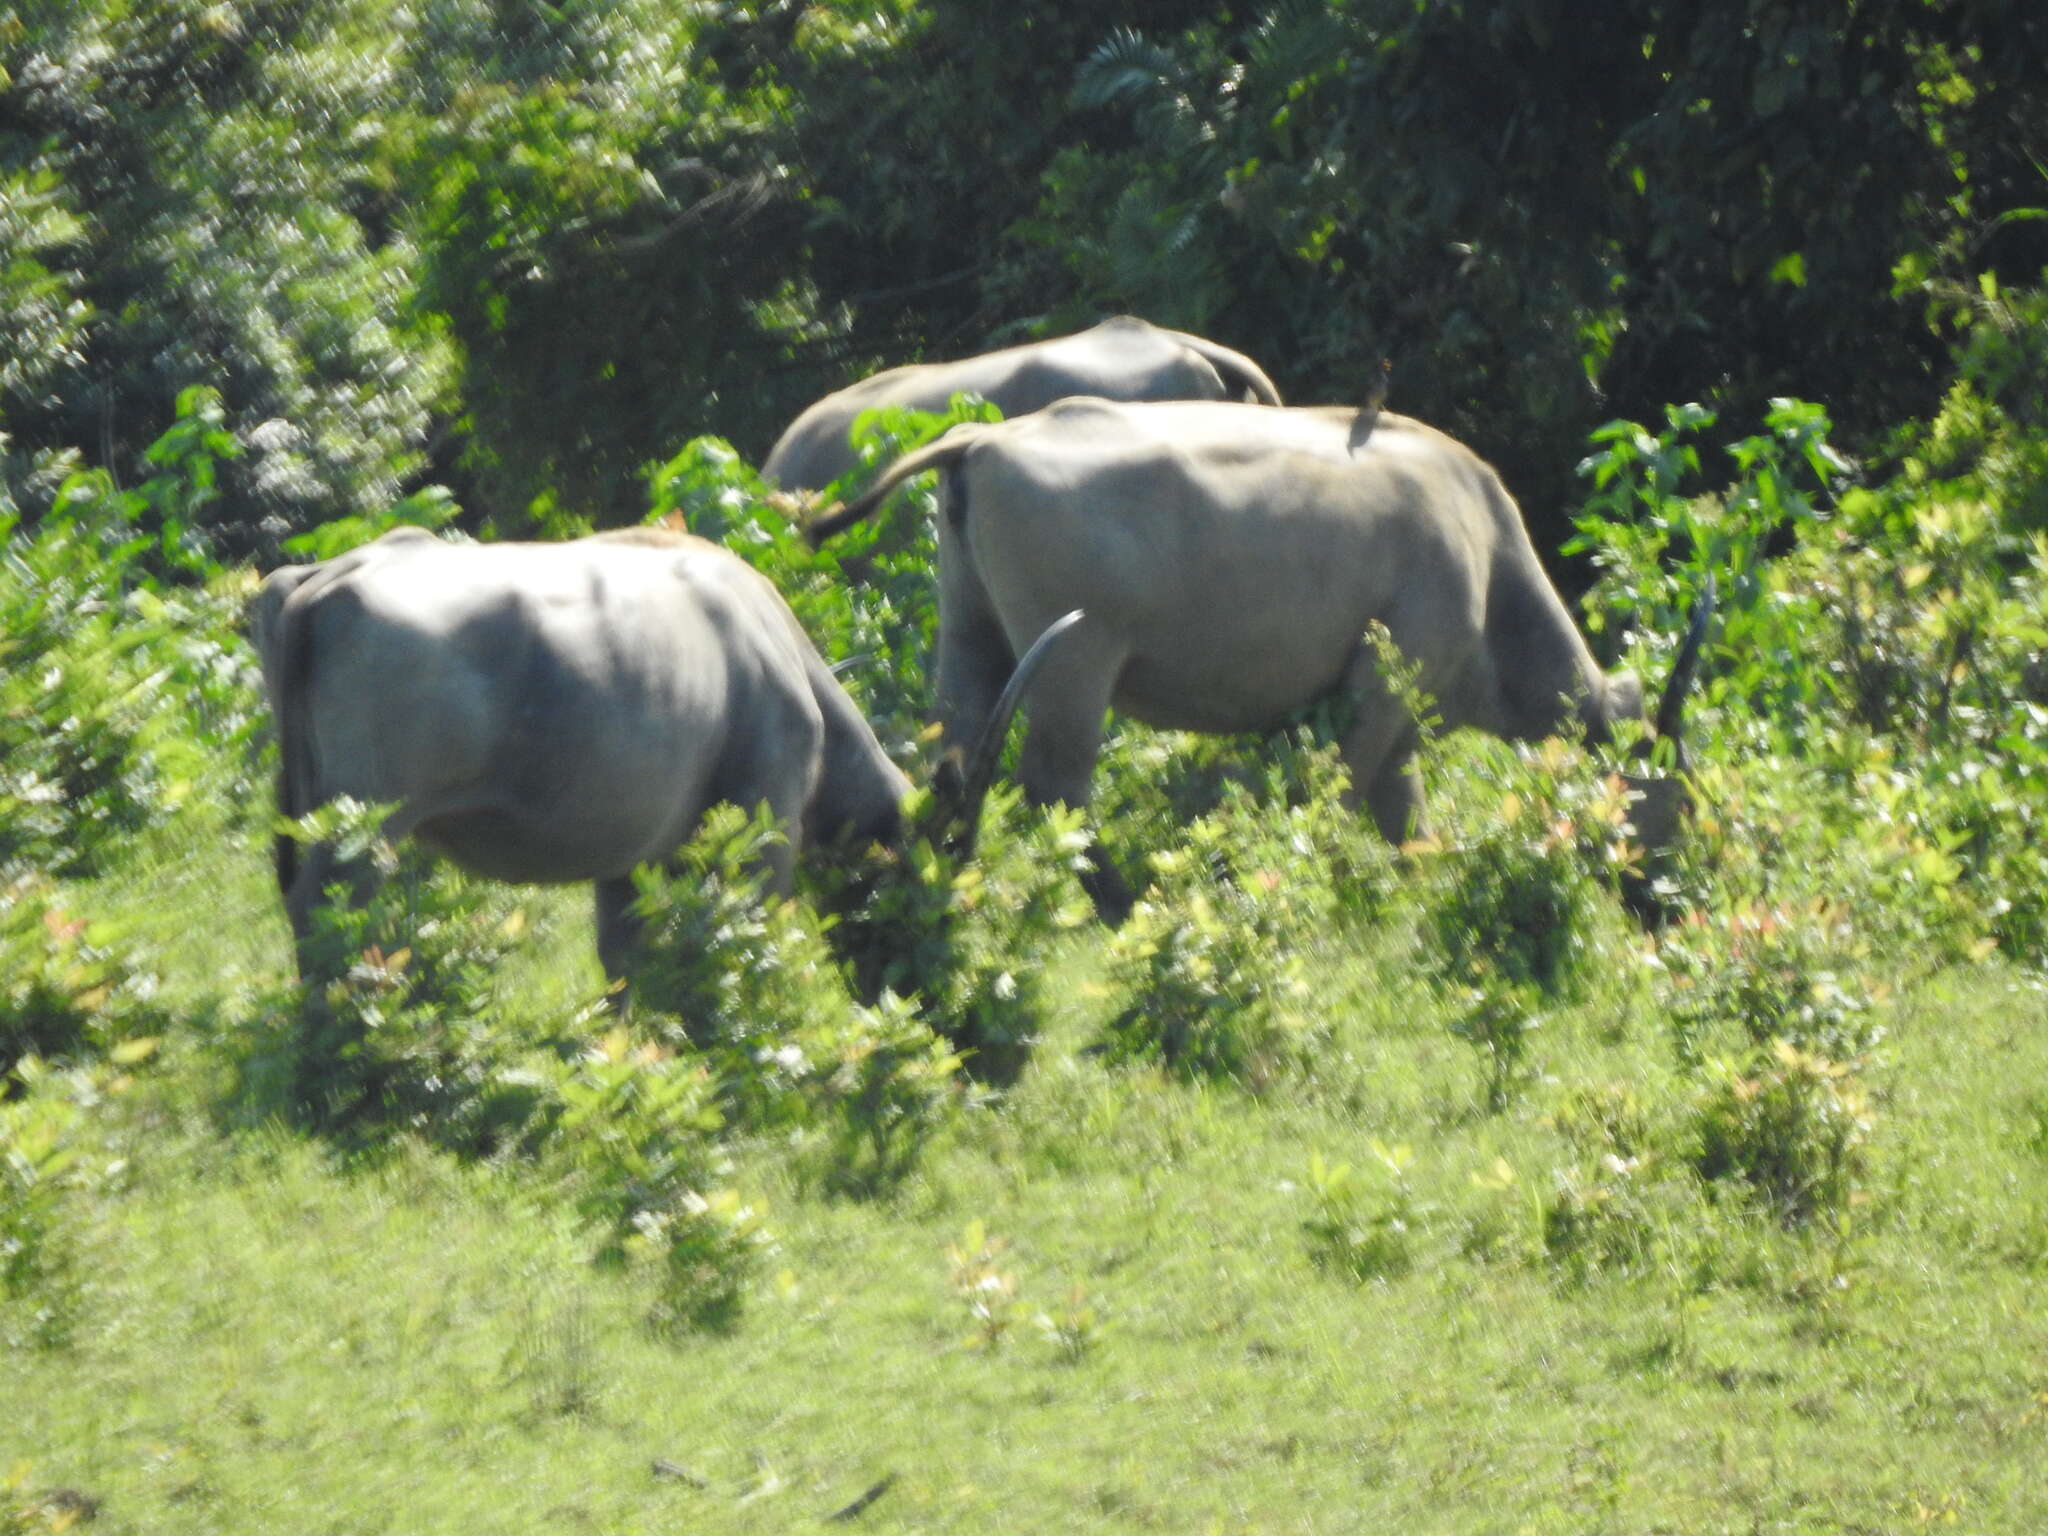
261, 1337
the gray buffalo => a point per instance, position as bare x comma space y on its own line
1231, 560
1120, 359
564, 712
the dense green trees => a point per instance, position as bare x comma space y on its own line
525, 250
187, 173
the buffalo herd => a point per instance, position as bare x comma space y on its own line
1149, 530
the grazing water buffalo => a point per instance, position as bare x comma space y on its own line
1121, 359
564, 712
1230, 559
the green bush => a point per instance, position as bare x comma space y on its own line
732, 970
84, 709
121, 677
1879, 676
1509, 909
42, 1120
1773, 973
755, 990
637, 1137
1791, 1126
1512, 898
1205, 976
1281, 791
398, 1028
957, 935
65, 993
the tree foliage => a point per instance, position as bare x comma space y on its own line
525, 251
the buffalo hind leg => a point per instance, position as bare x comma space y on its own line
975, 661
324, 1042
314, 870
1068, 703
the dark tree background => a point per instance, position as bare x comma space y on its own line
525, 250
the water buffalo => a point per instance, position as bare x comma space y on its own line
565, 712
1230, 559
1121, 359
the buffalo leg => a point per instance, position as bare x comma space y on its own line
315, 870
284, 851
618, 933
1379, 751
1068, 704
975, 661
323, 1038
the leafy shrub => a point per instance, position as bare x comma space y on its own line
957, 935
1149, 785
1209, 967
65, 993
1792, 1126
41, 1119
1499, 1021
1778, 975
1892, 644
755, 988
1281, 794
637, 1135
732, 970
1656, 540
82, 710
1513, 893
880, 1085
397, 1026
116, 668
35, 1132
1285, 819
431, 507
1512, 899
1205, 975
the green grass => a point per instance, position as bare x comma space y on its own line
265, 1340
